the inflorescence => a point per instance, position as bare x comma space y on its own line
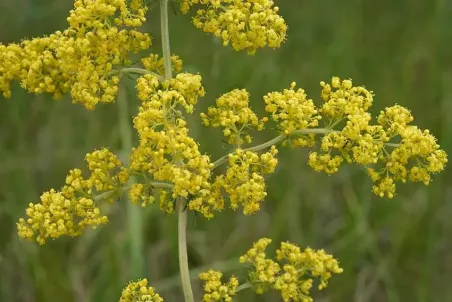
245, 25
83, 58
88, 59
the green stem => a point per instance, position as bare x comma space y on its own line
280, 138
165, 39
117, 193
105, 195
272, 142
183, 257
159, 184
134, 219
133, 70
139, 71
243, 286
392, 145
125, 131
182, 213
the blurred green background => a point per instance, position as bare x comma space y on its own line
391, 250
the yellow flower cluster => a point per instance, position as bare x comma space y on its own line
416, 156
246, 25
265, 271
139, 292
341, 99
346, 105
139, 192
102, 164
70, 211
166, 152
155, 64
81, 59
293, 272
215, 290
292, 110
186, 5
232, 113
325, 162
403, 151
100, 14
146, 194
243, 181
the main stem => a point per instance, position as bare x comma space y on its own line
165, 38
134, 219
183, 257
181, 202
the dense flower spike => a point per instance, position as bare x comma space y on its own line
293, 272
69, 212
246, 25
80, 59
232, 113
139, 291
215, 290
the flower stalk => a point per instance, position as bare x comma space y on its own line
281, 138
181, 211
134, 217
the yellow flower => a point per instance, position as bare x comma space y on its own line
243, 180
265, 271
139, 291
166, 153
292, 272
57, 216
99, 14
397, 150
292, 110
245, 25
341, 99
155, 64
80, 59
232, 113
385, 187
215, 290
69, 211
395, 118
106, 169
324, 162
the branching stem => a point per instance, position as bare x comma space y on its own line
281, 138
181, 202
